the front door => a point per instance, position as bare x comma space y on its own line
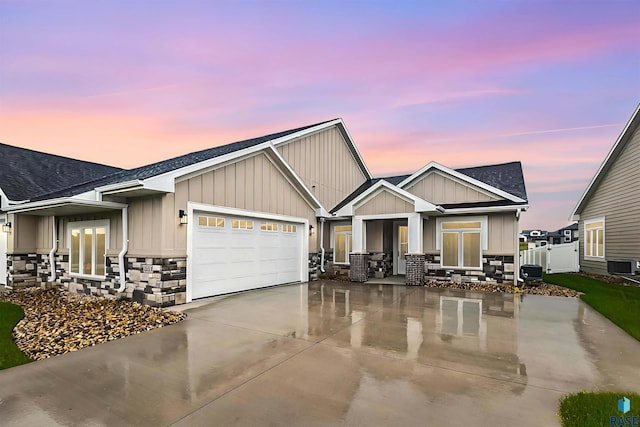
403, 247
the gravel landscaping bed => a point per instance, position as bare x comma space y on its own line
57, 322
535, 288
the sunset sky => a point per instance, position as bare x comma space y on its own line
463, 83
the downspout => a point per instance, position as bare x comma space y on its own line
322, 244
125, 248
52, 252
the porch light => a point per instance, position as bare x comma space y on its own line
6, 227
183, 216
310, 229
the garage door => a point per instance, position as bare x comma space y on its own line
236, 253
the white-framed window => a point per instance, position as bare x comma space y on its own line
461, 241
289, 228
210, 221
269, 226
567, 233
242, 224
594, 238
88, 244
342, 243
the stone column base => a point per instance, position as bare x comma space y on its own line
415, 269
359, 267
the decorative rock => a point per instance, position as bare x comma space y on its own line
58, 322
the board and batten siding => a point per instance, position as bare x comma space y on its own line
253, 184
501, 234
440, 189
22, 239
325, 164
385, 202
617, 199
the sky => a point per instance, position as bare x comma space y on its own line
462, 83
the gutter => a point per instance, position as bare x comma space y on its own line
54, 248
322, 220
125, 248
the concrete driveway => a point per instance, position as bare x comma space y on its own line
330, 353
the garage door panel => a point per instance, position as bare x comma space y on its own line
227, 259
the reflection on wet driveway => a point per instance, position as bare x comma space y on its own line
333, 353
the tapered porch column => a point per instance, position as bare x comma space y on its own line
415, 258
358, 258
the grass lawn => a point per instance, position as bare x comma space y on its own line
10, 355
587, 409
620, 304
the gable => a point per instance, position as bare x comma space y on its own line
385, 202
440, 188
617, 193
616, 181
326, 164
253, 183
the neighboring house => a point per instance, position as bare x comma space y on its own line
608, 213
567, 234
25, 174
263, 212
537, 237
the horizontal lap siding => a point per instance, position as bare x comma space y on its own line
253, 184
617, 199
385, 203
439, 189
324, 160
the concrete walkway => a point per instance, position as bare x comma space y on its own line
332, 353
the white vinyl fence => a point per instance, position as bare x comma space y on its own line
553, 258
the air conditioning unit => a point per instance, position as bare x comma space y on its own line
625, 266
529, 272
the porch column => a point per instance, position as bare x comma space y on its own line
415, 258
358, 258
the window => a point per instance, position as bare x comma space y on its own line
210, 221
567, 233
342, 242
269, 226
242, 224
461, 244
594, 238
289, 228
88, 244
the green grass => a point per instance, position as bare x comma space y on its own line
593, 409
10, 355
620, 304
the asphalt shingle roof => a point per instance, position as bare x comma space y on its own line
164, 166
506, 177
27, 173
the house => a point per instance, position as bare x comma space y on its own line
262, 212
608, 213
537, 237
566, 234
25, 174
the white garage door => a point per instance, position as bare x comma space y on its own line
236, 253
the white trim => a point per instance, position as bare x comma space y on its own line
201, 207
575, 216
463, 177
484, 228
332, 239
419, 204
59, 202
511, 208
81, 225
604, 249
